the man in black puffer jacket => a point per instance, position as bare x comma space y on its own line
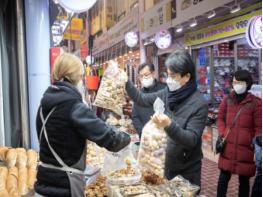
68, 128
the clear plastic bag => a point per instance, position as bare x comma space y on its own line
151, 155
111, 93
121, 167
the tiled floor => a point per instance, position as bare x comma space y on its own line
210, 174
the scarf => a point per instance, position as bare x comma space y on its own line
176, 97
240, 97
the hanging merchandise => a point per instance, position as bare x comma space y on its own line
163, 39
111, 94
131, 39
92, 79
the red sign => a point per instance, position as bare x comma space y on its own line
54, 53
83, 51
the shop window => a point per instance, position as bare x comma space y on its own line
224, 68
203, 61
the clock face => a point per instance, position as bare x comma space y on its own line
77, 6
163, 39
131, 39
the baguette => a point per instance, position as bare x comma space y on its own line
32, 174
3, 176
21, 161
22, 181
32, 159
4, 193
12, 182
3, 151
11, 157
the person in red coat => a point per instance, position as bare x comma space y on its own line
238, 155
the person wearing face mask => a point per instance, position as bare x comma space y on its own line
184, 119
141, 115
64, 124
239, 121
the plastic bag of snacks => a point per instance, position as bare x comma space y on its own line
121, 167
151, 155
111, 94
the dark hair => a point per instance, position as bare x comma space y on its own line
163, 74
244, 75
150, 66
181, 62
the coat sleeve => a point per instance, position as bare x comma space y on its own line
143, 99
258, 118
136, 121
193, 131
221, 117
89, 126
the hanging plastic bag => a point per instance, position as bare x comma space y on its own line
111, 93
151, 154
121, 167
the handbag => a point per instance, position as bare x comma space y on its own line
221, 141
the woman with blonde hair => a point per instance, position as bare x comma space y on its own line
64, 123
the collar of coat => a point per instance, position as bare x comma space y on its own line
249, 98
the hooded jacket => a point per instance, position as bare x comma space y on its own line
68, 128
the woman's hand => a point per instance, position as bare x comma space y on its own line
161, 120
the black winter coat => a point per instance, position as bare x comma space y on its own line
141, 114
183, 153
68, 128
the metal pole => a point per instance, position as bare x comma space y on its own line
22, 74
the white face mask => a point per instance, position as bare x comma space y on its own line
172, 84
147, 82
240, 88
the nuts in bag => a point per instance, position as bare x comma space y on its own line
111, 93
151, 155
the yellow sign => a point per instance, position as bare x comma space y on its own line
229, 28
74, 30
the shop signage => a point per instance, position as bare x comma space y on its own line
163, 39
158, 17
188, 9
230, 28
74, 30
254, 32
127, 24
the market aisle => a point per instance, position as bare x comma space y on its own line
210, 174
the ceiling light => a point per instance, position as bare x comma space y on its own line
194, 23
235, 9
179, 29
211, 14
130, 51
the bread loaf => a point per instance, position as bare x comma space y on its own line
21, 161
32, 173
12, 182
3, 151
11, 157
3, 176
32, 159
4, 193
22, 181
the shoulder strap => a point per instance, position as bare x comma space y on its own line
43, 130
235, 118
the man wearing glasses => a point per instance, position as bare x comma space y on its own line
141, 115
